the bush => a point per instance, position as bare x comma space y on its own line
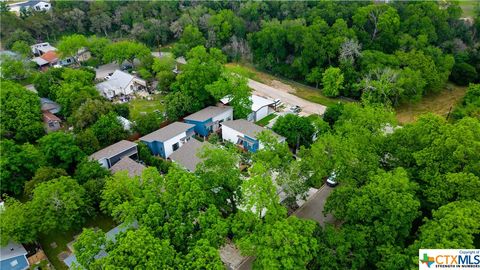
463, 74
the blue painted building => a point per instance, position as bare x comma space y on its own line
244, 134
208, 120
163, 142
13, 256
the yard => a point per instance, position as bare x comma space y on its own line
139, 105
298, 89
468, 7
440, 103
263, 122
62, 239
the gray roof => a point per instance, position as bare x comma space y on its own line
113, 150
245, 127
49, 105
12, 250
207, 113
27, 4
248, 128
127, 164
167, 132
187, 155
118, 80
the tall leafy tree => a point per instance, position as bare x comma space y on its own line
108, 129
284, 244
60, 150
236, 88
20, 113
220, 176
332, 80
18, 164
296, 129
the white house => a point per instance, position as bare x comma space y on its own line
261, 107
244, 134
33, 5
120, 84
165, 141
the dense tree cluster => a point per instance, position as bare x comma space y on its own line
401, 187
388, 53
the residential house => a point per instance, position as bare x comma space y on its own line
163, 142
244, 134
112, 154
49, 105
208, 119
13, 256
127, 164
120, 84
51, 121
83, 55
261, 107
42, 48
33, 5
188, 155
179, 62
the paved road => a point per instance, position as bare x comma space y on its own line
313, 208
274, 93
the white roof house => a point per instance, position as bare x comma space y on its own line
35, 5
41, 48
261, 107
244, 134
120, 84
13, 256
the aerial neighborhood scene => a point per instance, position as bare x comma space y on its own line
239, 134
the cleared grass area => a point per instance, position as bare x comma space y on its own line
139, 105
103, 222
301, 90
440, 103
468, 7
263, 122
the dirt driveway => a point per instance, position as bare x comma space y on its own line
283, 94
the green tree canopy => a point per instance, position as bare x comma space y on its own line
20, 113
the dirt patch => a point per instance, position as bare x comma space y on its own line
282, 86
441, 104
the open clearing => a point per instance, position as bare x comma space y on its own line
300, 90
440, 103
139, 105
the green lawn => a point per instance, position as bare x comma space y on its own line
301, 90
140, 105
263, 122
103, 222
468, 7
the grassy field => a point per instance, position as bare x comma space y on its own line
468, 7
301, 90
142, 105
440, 103
263, 122
62, 239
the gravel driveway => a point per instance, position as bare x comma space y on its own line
308, 107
